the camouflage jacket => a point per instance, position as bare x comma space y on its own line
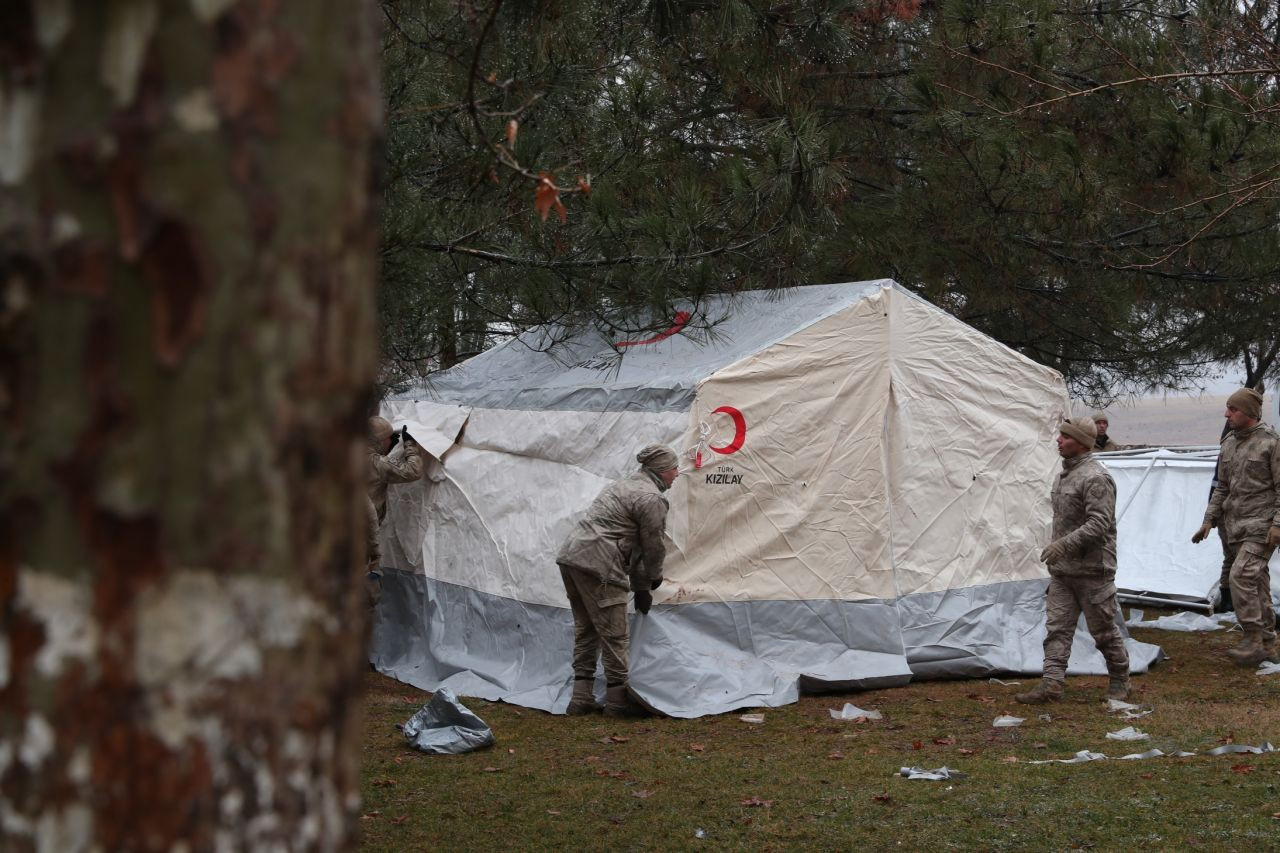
623, 525
1084, 518
1246, 500
383, 471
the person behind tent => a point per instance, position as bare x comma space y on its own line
1104, 442
385, 471
615, 546
1246, 509
1082, 566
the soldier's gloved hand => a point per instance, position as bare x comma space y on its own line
404, 433
1273, 536
1199, 535
644, 600
655, 584
1053, 552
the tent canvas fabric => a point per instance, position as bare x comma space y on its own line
1161, 494
863, 498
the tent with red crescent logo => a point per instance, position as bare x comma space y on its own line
863, 496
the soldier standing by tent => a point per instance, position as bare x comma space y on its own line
1246, 507
384, 471
1082, 566
616, 545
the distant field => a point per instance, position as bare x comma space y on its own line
801, 780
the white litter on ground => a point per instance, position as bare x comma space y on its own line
1185, 621
1268, 668
1004, 683
1004, 721
752, 718
930, 775
1127, 733
1232, 748
853, 712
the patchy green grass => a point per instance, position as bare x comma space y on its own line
803, 779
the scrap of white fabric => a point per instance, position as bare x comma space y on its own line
1079, 758
853, 712
1128, 710
1268, 668
1005, 721
1127, 733
1184, 621
937, 775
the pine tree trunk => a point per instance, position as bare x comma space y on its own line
187, 240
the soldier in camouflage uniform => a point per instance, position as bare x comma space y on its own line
384, 471
1246, 508
1103, 442
1082, 566
617, 545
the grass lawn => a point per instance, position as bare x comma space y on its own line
802, 779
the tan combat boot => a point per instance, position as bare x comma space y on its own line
1048, 690
1269, 651
1118, 687
1251, 652
618, 703
583, 700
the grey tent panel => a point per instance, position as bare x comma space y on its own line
590, 372
689, 660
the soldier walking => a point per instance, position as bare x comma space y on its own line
1082, 566
617, 545
1246, 509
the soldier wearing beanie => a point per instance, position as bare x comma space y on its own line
616, 546
1082, 566
1245, 507
382, 472
1103, 442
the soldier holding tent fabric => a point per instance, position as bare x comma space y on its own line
1082, 566
616, 545
384, 471
1246, 508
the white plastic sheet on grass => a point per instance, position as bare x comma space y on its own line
853, 712
1128, 733
1005, 721
938, 775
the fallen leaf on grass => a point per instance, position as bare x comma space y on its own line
612, 739
553, 811
944, 741
836, 756
370, 815
1242, 768
964, 751
642, 795
986, 700
1275, 815
1010, 759
915, 744
383, 783
612, 774
398, 760
592, 758
408, 700
492, 770
755, 802
511, 752
882, 798
1147, 775
696, 747
1040, 745
399, 820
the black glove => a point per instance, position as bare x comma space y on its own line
395, 439
644, 600
656, 584
404, 433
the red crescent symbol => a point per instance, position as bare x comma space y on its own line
681, 318
739, 430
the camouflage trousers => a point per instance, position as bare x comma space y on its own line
1228, 558
1251, 589
599, 625
1068, 597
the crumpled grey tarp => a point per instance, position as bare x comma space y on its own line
444, 726
1183, 621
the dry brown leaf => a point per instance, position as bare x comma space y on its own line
492, 770
697, 747
618, 738
964, 751
591, 759
370, 815
383, 783
1010, 759
1242, 768
945, 741
835, 756
756, 802
916, 744
1040, 745
642, 795
553, 811
882, 797
1147, 775
399, 820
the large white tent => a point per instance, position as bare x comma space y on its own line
864, 496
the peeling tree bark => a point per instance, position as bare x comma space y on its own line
187, 241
